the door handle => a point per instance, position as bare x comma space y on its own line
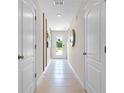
20, 56
84, 53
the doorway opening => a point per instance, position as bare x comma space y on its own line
59, 45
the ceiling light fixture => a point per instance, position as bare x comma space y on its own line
59, 15
58, 2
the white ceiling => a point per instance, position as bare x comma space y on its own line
67, 11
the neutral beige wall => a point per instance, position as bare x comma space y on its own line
75, 54
39, 40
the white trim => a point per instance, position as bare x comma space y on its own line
41, 76
77, 77
39, 79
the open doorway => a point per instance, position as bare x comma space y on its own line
59, 44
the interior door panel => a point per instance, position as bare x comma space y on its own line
95, 65
27, 42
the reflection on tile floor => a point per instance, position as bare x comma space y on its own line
59, 78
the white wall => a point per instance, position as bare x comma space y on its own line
75, 54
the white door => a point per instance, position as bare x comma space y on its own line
26, 47
59, 44
95, 48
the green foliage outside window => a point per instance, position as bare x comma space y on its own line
59, 43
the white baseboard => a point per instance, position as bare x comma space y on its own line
42, 74
39, 79
82, 84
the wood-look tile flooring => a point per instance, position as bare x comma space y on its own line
59, 78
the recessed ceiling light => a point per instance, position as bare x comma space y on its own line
59, 15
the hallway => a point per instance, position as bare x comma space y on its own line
59, 78
61, 29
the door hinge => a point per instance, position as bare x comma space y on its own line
35, 18
35, 46
35, 75
105, 49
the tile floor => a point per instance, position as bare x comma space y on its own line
58, 78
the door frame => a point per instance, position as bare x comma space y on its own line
52, 44
35, 46
46, 39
